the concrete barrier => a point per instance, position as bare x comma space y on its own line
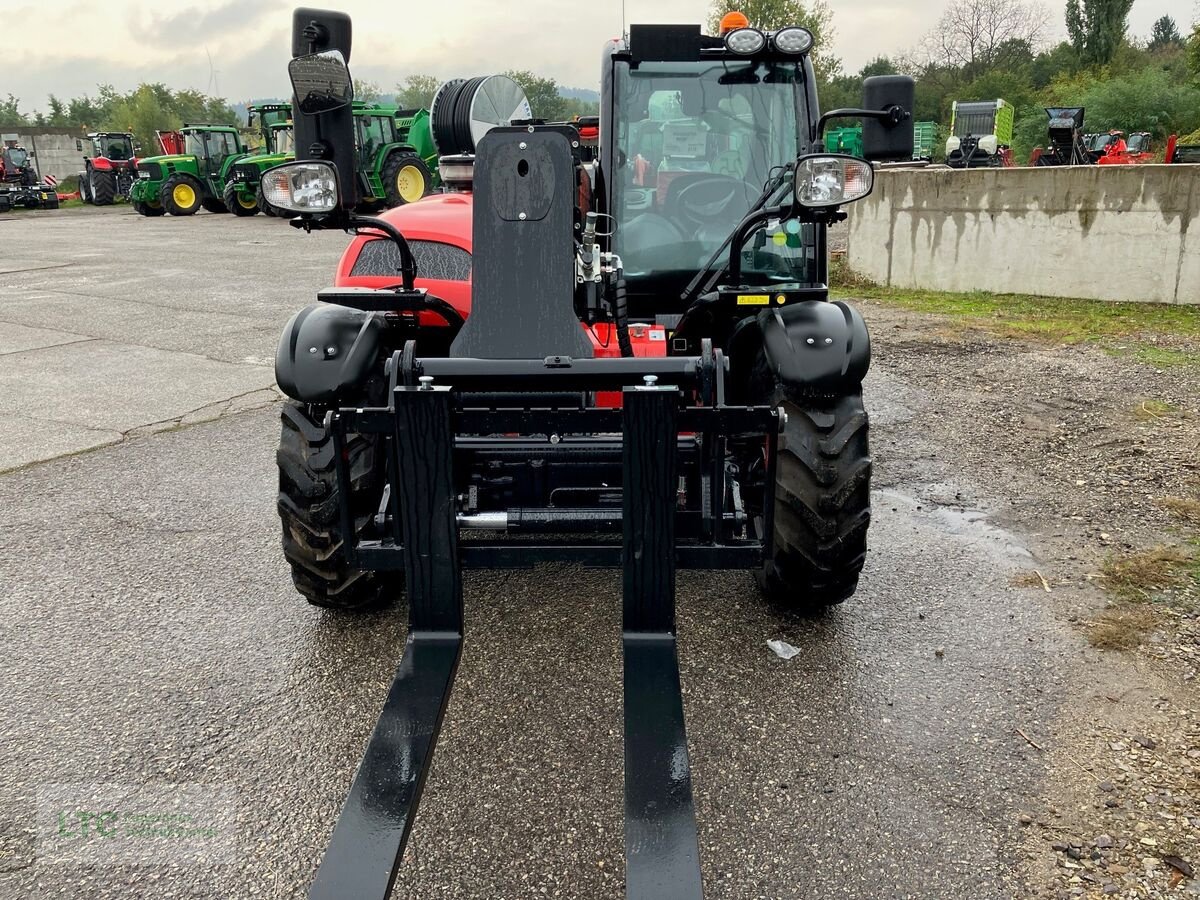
1096, 232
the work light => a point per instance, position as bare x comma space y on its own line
302, 187
832, 180
794, 39
745, 41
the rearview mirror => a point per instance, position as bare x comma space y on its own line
78, 145
321, 82
888, 139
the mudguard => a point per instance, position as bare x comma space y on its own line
326, 352
816, 346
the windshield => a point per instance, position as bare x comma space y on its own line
283, 140
695, 144
117, 146
16, 156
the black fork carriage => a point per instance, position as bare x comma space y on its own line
420, 428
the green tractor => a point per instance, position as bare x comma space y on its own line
240, 193
395, 160
192, 173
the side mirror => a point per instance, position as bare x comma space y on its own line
321, 82
889, 139
78, 145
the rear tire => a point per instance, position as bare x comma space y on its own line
310, 513
265, 207
822, 502
103, 188
406, 179
234, 204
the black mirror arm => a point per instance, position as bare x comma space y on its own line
890, 116
351, 222
749, 224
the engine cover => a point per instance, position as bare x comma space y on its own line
326, 352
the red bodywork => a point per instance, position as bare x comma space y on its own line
1119, 153
446, 219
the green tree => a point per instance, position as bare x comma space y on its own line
416, 91
771, 15
10, 112
1193, 53
544, 98
1097, 27
366, 91
1165, 33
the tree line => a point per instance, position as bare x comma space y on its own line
999, 49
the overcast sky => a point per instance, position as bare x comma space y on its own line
123, 42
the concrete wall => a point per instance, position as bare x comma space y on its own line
55, 149
1097, 232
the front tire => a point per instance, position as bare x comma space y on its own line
822, 502
181, 195
406, 179
310, 513
213, 205
148, 210
103, 188
236, 205
83, 188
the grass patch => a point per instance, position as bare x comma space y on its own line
1122, 627
1049, 319
1162, 358
1138, 576
1152, 410
1186, 508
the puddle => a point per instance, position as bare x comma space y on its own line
969, 524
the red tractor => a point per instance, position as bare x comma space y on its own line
110, 167
1120, 150
623, 356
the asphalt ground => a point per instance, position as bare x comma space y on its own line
152, 638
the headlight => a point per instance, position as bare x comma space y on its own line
832, 180
305, 187
793, 40
745, 41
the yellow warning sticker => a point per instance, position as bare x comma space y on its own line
753, 300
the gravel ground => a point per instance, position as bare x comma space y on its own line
1078, 450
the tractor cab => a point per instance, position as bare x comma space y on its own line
281, 140
15, 165
211, 146
113, 146
691, 145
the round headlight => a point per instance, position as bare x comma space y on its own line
793, 40
832, 180
301, 187
745, 41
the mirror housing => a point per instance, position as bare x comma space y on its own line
321, 82
79, 145
888, 139
327, 135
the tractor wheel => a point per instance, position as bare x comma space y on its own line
149, 210
103, 188
5, 202
405, 178
84, 194
213, 205
236, 204
265, 207
822, 500
310, 514
181, 195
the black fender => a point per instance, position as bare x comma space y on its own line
816, 346
326, 352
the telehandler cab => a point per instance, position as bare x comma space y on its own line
632, 364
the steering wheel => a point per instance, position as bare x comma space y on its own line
709, 200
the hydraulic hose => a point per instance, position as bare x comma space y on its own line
621, 318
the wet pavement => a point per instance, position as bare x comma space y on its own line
152, 638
